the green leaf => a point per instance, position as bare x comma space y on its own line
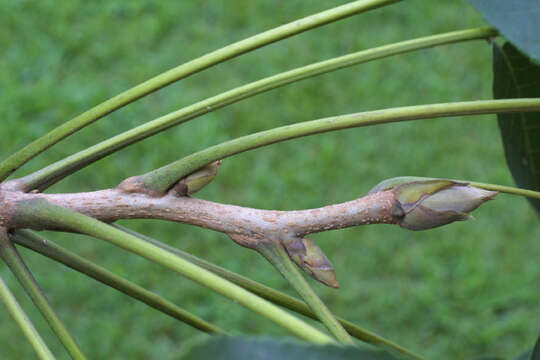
515, 76
225, 348
517, 20
535, 354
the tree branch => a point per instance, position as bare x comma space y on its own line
412, 203
246, 226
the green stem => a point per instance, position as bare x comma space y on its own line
277, 256
57, 171
40, 211
505, 189
24, 322
16, 264
19, 158
54, 251
274, 296
160, 180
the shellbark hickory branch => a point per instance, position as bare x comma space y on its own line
412, 203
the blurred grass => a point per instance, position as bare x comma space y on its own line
465, 290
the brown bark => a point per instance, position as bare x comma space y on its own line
238, 222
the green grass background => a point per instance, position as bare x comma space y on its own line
466, 290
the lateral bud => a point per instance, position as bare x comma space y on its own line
310, 258
196, 180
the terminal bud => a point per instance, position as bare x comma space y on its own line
427, 204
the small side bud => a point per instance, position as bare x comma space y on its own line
197, 180
310, 258
428, 204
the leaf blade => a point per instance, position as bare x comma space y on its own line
535, 353
515, 76
516, 20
